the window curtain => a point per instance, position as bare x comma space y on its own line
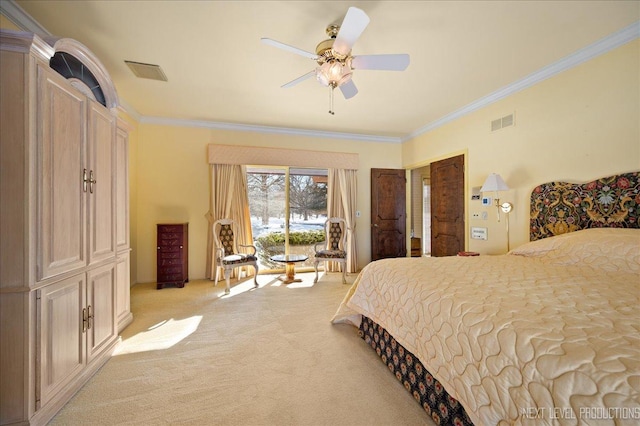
227, 199
341, 202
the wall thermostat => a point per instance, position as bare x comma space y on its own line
479, 233
475, 193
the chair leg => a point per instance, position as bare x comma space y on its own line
344, 272
315, 265
255, 277
227, 276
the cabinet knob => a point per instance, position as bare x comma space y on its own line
85, 320
91, 181
180, 246
84, 180
158, 247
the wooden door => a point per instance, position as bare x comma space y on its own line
388, 213
61, 337
61, 158
102, 193
447, 206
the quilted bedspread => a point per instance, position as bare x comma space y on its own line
547, 334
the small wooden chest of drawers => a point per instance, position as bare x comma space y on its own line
173, 254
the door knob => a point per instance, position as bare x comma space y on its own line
92, 181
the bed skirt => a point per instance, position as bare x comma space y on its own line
427, 391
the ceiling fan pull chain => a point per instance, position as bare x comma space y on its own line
331, 100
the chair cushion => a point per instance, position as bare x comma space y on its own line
226, 238
335, 233
331, 254
238, 258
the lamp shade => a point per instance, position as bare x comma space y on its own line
494, 183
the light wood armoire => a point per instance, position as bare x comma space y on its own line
64, 223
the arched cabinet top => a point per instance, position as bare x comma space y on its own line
55, 51
80, 52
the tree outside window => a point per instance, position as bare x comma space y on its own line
280, 222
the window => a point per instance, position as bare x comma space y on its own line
288, 209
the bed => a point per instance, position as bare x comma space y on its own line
546, 334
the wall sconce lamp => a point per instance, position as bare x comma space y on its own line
495, 183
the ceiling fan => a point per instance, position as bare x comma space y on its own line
334, 58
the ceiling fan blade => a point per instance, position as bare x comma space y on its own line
349, 89
288, 48
395, 62
353, 25
299, 79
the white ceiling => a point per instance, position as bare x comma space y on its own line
462, 53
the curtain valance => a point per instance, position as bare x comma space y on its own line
253, 155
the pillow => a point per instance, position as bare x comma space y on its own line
609, 249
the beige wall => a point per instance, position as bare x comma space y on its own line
578, 125
5, 23
172, 183
133, 192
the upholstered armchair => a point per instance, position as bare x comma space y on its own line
228, 256
333, 248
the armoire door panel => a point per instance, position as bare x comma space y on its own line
123, 291
102, 328
61, 343
122, 188
61, 217
102, 202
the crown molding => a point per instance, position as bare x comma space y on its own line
20, 41
130, 110
268, 129
604, 45
22, 19
18, 16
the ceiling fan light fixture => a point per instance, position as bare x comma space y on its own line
334, 73
334, 58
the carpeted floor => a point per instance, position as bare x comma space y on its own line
266, 356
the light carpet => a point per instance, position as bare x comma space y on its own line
265, 356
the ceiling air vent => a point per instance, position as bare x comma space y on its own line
501, 123
150, 71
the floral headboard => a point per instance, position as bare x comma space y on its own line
560, 207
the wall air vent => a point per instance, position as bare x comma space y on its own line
501, 123
150, 71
